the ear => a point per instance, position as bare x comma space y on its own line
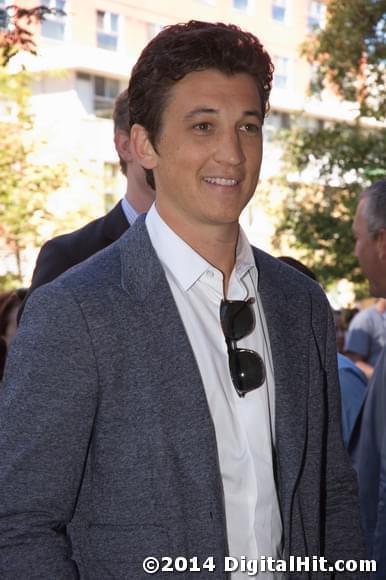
122, 145
381, 245
141, 147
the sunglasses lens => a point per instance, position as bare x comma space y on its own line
247, 370
237, 319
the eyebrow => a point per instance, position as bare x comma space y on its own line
209, 110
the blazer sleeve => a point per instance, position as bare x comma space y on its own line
343, 539
47, 409
379, 547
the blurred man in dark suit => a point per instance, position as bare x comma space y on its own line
60, 253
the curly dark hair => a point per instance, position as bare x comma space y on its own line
193, 46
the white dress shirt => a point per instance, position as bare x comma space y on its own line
243, 426
130, 213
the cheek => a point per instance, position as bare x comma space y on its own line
360, 249
254, 158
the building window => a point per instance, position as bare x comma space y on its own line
106, 91
280, 77
279, 10
152, 29
316, 14
241, 5
4, 20
311, 123
97, 94
107, 30
274, 122
53, 25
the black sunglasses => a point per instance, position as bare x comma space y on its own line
246, 366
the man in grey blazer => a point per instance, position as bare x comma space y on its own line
369, 449
171, 405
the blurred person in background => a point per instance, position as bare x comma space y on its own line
9, 308
4, 296
369, 229
3, 345
3, 356
352, 380
340, 329
60, 253
366, 337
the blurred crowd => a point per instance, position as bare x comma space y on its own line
10, 303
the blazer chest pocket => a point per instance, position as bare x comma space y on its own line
117, 552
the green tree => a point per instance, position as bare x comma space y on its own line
15, 32
328, 166
25, 184
351, 53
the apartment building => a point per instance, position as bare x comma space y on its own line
84, 61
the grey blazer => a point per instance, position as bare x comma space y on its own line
106, 431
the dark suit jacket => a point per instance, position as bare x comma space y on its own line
370, 458
104, 425
63, 252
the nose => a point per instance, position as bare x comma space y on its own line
229, 149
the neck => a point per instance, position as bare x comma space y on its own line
141, 203
139, 196
215, 243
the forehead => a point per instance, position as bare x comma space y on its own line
359, 224
212, 87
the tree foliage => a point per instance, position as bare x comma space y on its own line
351, 53
318, 212
326, 168
15, 33
25, 184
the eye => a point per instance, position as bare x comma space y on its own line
250, 128
202, 127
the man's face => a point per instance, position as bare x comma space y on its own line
370, 252
209, 151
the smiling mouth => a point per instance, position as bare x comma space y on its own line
221, 181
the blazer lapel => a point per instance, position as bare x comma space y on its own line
289, 345
184, 401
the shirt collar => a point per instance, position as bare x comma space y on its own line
130, 213
245, 260
184, 263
